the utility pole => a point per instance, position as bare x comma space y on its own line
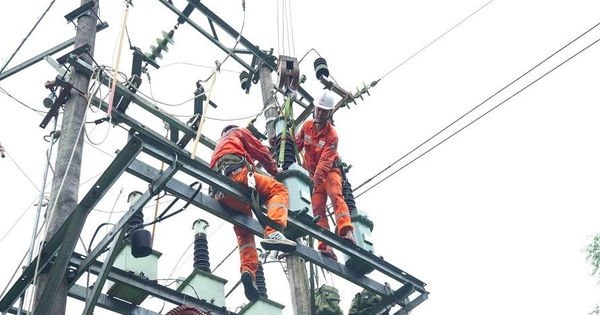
71, 143
298, 279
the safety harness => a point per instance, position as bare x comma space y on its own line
232, 163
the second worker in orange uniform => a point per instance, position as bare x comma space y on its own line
319, 140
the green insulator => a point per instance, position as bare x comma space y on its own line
169, 36
156, 52
162, 44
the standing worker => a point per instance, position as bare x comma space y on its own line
319, 140
233, 157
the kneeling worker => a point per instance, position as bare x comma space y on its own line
233, 157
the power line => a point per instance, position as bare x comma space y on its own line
27, 36
22, 172
461, 129
479, 105
18, 220
435, 40
194, 65
39, 112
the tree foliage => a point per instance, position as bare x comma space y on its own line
592, 251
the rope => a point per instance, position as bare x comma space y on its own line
114, 82
199, 131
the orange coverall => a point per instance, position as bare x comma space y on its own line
241, 142
320, 152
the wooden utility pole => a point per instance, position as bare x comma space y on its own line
67, 169
298, 279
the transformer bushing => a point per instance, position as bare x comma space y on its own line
201, 258
363, 227
348, 195
261, 283
289, 156
141, 239
136, 258
201, 281
300, 189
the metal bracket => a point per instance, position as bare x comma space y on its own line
388, 302
77, 52
56, 65
164, 176
82, 10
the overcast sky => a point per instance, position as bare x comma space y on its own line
493, 220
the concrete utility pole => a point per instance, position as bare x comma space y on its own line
298, 279
73, 119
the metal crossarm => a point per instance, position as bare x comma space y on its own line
204, 202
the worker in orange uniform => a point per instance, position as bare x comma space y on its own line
233, 157
319, 140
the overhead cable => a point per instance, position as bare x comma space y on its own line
39, 112
435, 40
476, 107
22, 172
481, 116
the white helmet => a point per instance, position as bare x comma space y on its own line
325, 101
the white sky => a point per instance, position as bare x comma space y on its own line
494, 220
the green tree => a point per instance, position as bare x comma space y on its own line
592, 251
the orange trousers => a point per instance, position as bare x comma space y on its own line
275, 196
332, 187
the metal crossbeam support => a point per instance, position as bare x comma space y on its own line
77, 220
151, 287
204, 202
156, 148
160, 148
28, 63
115, 305
117, 245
